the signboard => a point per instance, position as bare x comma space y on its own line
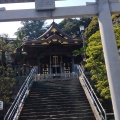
44, 4
1, 105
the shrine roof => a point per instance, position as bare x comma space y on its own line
53, 30
53, 35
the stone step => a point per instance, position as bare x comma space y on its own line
63, 118
57, 115
44, 111
58, 100
55, 103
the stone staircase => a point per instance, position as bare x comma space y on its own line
57, 100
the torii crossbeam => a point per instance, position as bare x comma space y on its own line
102, 8
60, 12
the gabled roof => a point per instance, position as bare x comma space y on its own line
54, 30
53, 35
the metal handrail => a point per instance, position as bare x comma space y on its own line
22, 94
93, 96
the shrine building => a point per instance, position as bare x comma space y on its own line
52, 52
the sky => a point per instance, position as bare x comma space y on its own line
11, 27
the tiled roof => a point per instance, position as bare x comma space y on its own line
53, 35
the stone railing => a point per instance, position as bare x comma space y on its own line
56, 76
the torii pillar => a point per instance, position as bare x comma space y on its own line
110, 54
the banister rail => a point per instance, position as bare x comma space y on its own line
94, 98
15, 108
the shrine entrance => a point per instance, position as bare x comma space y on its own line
56, 64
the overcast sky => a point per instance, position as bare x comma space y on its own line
11, 27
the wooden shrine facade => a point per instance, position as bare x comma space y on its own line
52, 52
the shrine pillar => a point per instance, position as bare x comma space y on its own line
73, 64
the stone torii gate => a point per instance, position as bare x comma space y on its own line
45, 9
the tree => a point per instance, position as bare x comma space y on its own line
71, 26
3, 48
6, 46
78, 52
92, 27
31, 29
96, 64
116, 20
7, 82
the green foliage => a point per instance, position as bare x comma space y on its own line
95, 62
11, 46
14, 45
7, 82
3, 44
3, 48
92, 27
116, 20
8, 46
78, 52
31, 29
71, 26
85, 21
